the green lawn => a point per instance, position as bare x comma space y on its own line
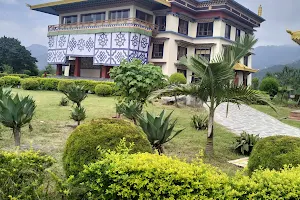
282, 114
52, 127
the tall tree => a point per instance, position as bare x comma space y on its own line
12, 53
216, 83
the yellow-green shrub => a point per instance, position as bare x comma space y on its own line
30, 84
177, 78
23, 174
103, 90
11, 81
48, 83
81, 146
150, 176
266, 184
275, 152
63, 85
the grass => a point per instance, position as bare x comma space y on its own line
51, 125
282, 114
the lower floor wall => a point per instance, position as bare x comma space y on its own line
90, 73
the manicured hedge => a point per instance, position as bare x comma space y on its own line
11, 81
177, 78
18, 75
103, 90
30, 84
63, 85
150, 176
275, 152
23, 175
81, 146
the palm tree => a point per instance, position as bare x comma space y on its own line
216, 84
15, 112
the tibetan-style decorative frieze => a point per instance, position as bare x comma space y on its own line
104, 48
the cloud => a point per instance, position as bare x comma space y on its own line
8, 1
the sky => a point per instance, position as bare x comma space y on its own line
30, 27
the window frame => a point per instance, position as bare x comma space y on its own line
160, 51
161, 22
179, 52
70, 16
246, 60
227, 31
91, 14
117, 13
207, 31
204, 55
237, 36
183, 28
148, 17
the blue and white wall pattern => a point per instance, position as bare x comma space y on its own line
105, 48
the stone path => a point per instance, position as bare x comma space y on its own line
252, 121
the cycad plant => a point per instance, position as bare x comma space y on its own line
16, 112
216, 82
78, 114
131, 110
158, 129
77, 94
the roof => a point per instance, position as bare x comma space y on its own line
295, 36
54, 6
241, 67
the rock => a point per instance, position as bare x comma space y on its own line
171, 100
193, 101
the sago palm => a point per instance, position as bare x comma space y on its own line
15, 112
76, 94
132, 110
216, 84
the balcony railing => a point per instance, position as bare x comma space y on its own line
118, 23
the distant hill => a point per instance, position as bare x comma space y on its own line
268, 56
40, 53
277, 68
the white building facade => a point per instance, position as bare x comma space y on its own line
94, 36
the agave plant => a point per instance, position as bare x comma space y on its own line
16, 112
158, 129
78, 114
200, 122
76, 94
245, 143
131, 110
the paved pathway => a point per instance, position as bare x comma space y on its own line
252, 121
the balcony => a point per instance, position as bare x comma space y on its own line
119, 24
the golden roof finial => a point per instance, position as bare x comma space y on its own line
260, 11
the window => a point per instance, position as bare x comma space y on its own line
205, 29
119, 14
237, 34
204, 52
161, 22
183, 71
158, 51
227, 31
93, 17
70, 19
182, 51
183, 27
144, 16
246, 60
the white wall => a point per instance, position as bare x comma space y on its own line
172, 23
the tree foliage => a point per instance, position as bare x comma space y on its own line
270, 85
255, 83
177, 78
12, 53
136, 81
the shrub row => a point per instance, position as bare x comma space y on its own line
23, 175
17, 75
149, 176
106, 88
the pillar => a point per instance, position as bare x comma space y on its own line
59, 70
103, 72
77, 67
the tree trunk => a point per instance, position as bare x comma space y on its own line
160, 149
176, 101
78, 123
209, 150
17, 136
134, 121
